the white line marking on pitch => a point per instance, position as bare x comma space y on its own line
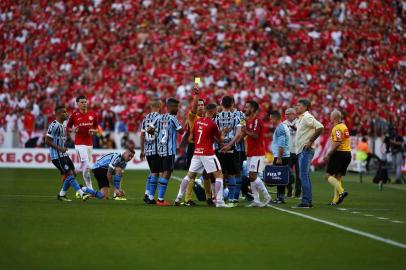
345, 228
397, 221
355, 212
368, 215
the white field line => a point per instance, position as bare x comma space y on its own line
345, 228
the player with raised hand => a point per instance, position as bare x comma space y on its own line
205, 132
166, 127
109, 169
149, 147
254, 131
55, 139
84, 124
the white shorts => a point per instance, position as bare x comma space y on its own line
208, 163
256, 164
84, 153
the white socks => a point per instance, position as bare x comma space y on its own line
62, 193
261, 187
87, 177
182, 188
218, 187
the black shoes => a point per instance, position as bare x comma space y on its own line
342, 197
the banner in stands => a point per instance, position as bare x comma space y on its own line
39, 158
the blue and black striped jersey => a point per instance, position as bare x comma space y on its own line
150, 143
228, 120
166, 128
57, 132
112, 161
240, 146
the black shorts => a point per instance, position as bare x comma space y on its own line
64, 165
167, 163
101, 177
154, 163
338, 163
229, 162
189, 154
242, 157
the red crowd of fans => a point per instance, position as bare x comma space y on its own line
340, 54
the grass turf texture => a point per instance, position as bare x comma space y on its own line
39, 232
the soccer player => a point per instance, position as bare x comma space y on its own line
229, 124
280, 150
109, 169
254, 131
166, 127
205, 132
195, 113
84, 124
149, 147
55, 139
339, 157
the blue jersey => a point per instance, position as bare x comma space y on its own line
240, 146
228, 120
281, 138
110, 161
150, 143
166, 128
57, 132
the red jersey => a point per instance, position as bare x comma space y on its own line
205, 131
84, 122
255, 147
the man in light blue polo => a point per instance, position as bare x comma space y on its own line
280, 149
308, 130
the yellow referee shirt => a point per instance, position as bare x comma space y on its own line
340, 134
191, 119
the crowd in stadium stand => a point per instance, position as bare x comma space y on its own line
348, 55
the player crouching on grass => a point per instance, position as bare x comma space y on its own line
205, 132
108, 170
55, 139
339, 157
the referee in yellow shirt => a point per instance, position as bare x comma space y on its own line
339, 157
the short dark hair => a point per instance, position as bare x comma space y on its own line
80, 97
172, 101
59, 108
131, 150
305, 102
276, 114
253, 104
227, 102
200, 100
211, 106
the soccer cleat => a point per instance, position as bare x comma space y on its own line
119, 198
341, 197
146, 198
231, 205
302, 206
210, 202
222, 204
332, 204
189, 203
255, 204
77, 195
64, 198
152, 202
85, 197
162, 203
176, 203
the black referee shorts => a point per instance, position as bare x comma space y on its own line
167, 163
242, 156
154, 163
101, 177
338, 163
229, 162
64, 164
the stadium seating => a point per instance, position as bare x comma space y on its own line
339, 54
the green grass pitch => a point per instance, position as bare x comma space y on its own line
39, 232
